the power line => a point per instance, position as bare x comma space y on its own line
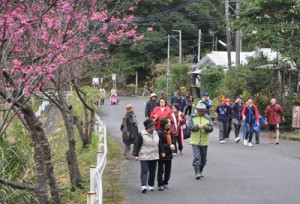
166, 12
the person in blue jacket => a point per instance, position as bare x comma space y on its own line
205, 100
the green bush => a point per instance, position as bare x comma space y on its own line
210, 80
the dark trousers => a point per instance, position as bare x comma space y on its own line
237, 129
164, 172
178, 140
188, 109
229, 127
148, 167
223, 128
200, 156
249, 133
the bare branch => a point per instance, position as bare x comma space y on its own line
21, 186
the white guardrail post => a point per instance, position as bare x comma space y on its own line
95, 194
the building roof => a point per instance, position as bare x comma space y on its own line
219, 58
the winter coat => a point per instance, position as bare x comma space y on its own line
274, 114
237, 111
129, 128
150, 105
147, 146
223, 112
174, 99
165, 147
182, 103
176, 125
199, 136
157, 111
251, 114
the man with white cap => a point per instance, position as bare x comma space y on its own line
150, 105
200, 125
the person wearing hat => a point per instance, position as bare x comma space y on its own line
147, 150
205, 100
150, 105
223, 111
129, 129
200, 125
237, 117
250, 116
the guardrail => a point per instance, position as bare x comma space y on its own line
42, 108
95, 195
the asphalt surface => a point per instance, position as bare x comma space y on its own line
263, 174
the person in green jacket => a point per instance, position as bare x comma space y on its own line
200, 125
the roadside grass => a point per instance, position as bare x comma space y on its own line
112, 176
113, 192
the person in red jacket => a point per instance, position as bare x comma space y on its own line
274, 113
250, 116
160, 111
177, 120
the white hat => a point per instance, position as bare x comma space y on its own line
201, 106
153, 95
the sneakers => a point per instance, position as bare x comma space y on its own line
245, 142
237, 139
174, 154
166, 187
257, 142
161, 188
144, 189
222, 141
227, 139
150, 188
250, 144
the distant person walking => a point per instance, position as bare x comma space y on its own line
102, 95
160, 111
222, 111
201, 125
189, 104
229, 119
274, 114
150, 105
177, 120
147, 150
129, 129
206, 101
237, 117
182, 102
166, 141
250, 116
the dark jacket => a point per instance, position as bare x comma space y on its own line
237, 111
129, 128
150, 105
175, 99
164, 146
223, 112
182, 103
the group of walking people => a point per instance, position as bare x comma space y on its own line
162, 139
248, 118
162, 136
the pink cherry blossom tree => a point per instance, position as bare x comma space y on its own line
38, 40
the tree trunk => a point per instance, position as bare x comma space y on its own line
42, 155
83, 137
71, 155
86, 122
91, 126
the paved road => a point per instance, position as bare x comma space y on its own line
234, 173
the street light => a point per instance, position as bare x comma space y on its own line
180, 44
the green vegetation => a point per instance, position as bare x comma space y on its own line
113, 192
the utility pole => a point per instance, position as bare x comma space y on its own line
199, 46
228, 35
168, 63
180, 44
237, 38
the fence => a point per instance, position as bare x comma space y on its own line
42, 108
95, 194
